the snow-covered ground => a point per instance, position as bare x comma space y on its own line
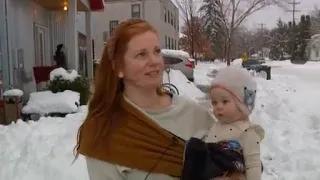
287, 107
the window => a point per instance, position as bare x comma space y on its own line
135, 11
175, 44
105, 36
171, 60
165, 41
171, 19
177, 22
317, 52
165, 15
113, 25
172, 43
168, 16
169, 45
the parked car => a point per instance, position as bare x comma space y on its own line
257, 65
179, 60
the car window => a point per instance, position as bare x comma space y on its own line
251, 62
171, 60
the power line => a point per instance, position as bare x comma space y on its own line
294, 10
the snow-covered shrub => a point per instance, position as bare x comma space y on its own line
74, 82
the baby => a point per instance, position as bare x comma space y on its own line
230, 150
233, 93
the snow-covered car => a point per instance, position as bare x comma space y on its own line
258, 66
179, 60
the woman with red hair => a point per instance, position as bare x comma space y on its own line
134, 129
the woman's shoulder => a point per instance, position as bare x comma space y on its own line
99, 170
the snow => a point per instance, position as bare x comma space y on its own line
203, 71
237, 62
13, 92
185, 87
287, 107
175, 52
61, 72
42, 150
45, 102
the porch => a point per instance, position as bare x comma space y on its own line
36, 27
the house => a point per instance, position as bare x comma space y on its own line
313, 48
162, 14
30, 31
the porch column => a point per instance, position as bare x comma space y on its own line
72, 36
89, 45
5, 34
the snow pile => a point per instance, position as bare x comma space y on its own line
203, 72
175, 52
185, 87
42, 150
237, 62
13, 92
46, 102
287, 107
291, 146
61, 72
288, 64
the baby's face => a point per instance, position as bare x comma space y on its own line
224, 105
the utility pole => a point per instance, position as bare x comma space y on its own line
262, 39
293, 10
262, 26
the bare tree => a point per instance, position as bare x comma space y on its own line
200, 46
233, 12
188, 11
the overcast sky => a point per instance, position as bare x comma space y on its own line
269, 15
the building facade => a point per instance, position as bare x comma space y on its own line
162, 14
313, 48
30, 31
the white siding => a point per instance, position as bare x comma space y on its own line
167, 29
313, 48
315, 53
154, 13
23, 16
20, 28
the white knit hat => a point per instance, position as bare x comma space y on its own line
240, 83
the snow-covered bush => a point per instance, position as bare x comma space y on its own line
61, 80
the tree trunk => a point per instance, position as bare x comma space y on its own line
225, 50
228, 51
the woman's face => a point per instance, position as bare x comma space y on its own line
143, 63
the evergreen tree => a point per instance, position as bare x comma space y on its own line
213, 27
301, 38
280, 40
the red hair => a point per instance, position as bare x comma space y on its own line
109, 88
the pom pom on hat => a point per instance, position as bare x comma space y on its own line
240, 83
